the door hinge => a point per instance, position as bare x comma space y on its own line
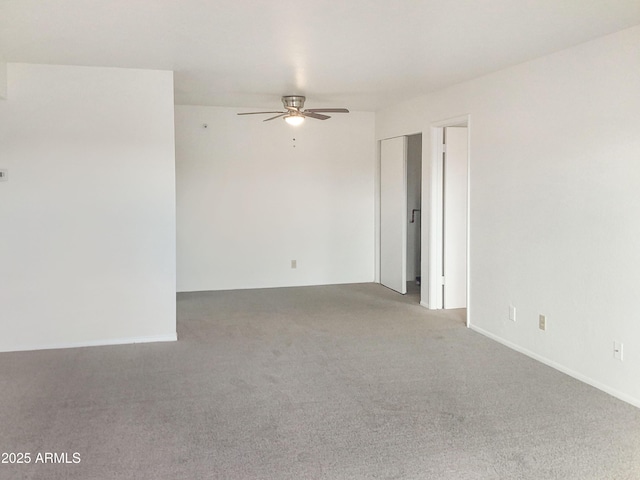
442, 280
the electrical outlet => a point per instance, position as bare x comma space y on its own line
542, 322
512, 313
294, 264
617, 350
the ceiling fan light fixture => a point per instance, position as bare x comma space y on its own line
295, 113
294, 119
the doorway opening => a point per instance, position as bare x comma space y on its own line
400, 239
414, 215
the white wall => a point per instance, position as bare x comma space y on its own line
3, 80
251, 199
88, 213
555, 209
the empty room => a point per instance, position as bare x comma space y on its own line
319, 240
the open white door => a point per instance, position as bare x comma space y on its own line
455, 218
393, 214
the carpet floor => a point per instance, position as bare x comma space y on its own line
328, 382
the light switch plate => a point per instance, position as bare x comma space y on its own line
617, 350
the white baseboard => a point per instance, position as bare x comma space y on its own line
424, 304
94, 343
578, 376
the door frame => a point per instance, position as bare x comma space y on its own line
435, 247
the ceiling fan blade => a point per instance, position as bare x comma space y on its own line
318, 116
258, 113
327, 110
277, 116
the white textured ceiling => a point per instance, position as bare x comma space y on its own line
361, 54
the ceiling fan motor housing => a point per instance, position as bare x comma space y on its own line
293, 101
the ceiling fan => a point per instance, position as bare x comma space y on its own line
294, 113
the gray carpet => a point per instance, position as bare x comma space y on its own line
331, 382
